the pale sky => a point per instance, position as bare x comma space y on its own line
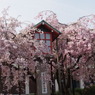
67, 10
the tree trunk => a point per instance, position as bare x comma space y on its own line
19, 88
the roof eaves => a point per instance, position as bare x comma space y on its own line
48, 25
51, 26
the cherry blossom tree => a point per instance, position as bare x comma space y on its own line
74, 50
17, 52
76, 54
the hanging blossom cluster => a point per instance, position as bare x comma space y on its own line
17, 51
76, 47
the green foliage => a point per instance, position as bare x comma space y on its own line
57, 93
32, 94
85, 91
90, 90
78, 91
